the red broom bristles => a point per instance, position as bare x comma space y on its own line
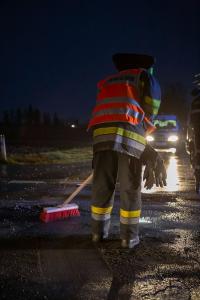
47, 216
66, 209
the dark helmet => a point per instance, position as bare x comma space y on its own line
124, 61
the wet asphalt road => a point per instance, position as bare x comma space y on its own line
58, 261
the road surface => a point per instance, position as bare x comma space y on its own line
58, 260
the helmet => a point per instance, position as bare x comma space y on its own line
124, 61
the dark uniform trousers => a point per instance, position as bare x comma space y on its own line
108, 166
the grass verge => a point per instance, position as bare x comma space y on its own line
57, 156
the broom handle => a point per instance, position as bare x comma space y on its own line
79, 188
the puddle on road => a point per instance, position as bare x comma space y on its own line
172, 175
145, 220
166, 288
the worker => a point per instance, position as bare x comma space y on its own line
194, 124
126, 102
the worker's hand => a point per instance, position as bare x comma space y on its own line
160, 173
149, 176
155, 173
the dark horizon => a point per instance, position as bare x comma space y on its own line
53, 56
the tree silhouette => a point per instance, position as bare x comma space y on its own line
175, 101
29, 116
36, 116
56, 120
19, 119
6, 118
46, 119
12, 116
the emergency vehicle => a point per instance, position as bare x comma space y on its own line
167, 135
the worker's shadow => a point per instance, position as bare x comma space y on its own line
123, 278
119, 289
124, 264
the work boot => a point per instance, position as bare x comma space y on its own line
97, 237
129, 244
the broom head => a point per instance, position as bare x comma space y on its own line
55, 213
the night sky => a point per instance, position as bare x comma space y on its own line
53, 52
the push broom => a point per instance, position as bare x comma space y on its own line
65, 209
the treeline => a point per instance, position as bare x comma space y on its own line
31, 116
30, 126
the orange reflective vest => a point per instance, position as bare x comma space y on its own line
118, 100
120, 119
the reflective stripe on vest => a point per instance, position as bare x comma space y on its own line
121, 85
120, 139
126, 75
124, 110
121, 132
151, 106
118, 100
118, 90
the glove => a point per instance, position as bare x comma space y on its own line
149, 176
160, 172
155, 172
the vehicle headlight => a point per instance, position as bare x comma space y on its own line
149, 138
172, 138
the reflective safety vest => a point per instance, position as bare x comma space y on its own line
119, 103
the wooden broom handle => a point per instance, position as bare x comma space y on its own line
79, 188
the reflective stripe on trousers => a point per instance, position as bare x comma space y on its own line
101, 213
129, 216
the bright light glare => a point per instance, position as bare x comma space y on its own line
173, 150
170, 150
172, 175
150, 138
145, 220
172, 138
73, 125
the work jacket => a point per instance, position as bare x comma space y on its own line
194, 124
126, 103
195, 113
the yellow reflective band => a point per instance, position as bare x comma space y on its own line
120, 131
153, 102
101, 210
130, 213
155, 111
151, 110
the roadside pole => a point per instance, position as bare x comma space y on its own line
3, 156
